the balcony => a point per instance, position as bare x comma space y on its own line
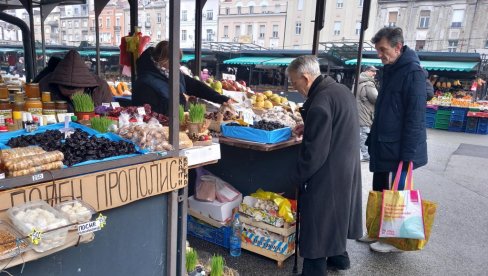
117, 28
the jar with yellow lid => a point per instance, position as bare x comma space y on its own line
4, 94
32, 90
48, 108
34, 106
5, 109
46, 96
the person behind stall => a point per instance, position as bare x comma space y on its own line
51, 65
71, 76
204, 75
152, 84
19, 67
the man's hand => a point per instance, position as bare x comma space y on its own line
229, 102
298, 130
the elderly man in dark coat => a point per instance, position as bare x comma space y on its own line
328, 171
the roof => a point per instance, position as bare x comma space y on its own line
279, 62
248, 60
460, 66
188, 57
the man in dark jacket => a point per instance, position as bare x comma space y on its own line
328, 170
398, 130
152, 84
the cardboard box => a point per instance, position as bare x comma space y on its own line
199, 155
214, 210
285, 247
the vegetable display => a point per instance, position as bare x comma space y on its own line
132, 111
197, 113
82, 102
101, 124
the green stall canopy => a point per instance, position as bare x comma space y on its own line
248, 60
278, 62
102, 53
188, 57
461, 66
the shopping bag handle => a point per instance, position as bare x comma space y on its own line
409, 181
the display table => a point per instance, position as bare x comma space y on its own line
249, 166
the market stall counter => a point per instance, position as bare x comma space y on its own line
250, 166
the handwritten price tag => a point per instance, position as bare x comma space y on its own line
141, 111
37, 177
115, 104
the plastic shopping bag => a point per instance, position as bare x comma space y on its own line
401, 211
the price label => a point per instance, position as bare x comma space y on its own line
35, 236
247, 117
115, 104
228, 77
88, 227
141, 111
106, 104
37, 177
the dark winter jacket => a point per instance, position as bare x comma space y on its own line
152, 86
329, 171
428, 86
398, 131
51, 65
72, 75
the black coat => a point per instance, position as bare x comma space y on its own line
152, 87
329, 171
398, 131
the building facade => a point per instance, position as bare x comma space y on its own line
342, 22
74, 24
151, 19
209, 22
261, 22
446, 26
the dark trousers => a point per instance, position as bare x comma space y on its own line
381, 180
314, 267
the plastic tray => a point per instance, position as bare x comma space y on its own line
257, 135
11, 247
82, 212
50, 239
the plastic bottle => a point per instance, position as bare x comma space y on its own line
235, 237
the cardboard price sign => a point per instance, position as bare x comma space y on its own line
107, 189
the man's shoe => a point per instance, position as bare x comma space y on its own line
366, 239
339, 262
384, 247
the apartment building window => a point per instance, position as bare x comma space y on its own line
77, 24
184, 15
251, 9
85, 23
117, 21
300, 5
159, 35
424, 19
339, 4
209, 34
486, 44
209, 14
264, 8
183, 35
358, 27
239, 10
64, 24
238, 31
77, 11
227, 11
452, 46
108, 23
278, 8
226, 31
100, 22
275, 31
392, 19
457, 18
419, 45
262, 30
360, 3
337, 27
69, 24
148, 18
298, 28
249, 30
158, 17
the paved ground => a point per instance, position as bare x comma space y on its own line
457, 179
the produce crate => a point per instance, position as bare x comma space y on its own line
430, 116
441, 125
219, 236
482, 126
443, 112
459, 111
257, 135
471, 125
430, 110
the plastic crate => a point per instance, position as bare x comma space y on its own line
429, 124
455, 117
443, 112
482, 126
472, 125
430, 116
431, 110
439, 125
219, 236
459, 111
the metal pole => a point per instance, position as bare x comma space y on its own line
99, 5
174, 261
364, 26
133, 24
46, 9
199, 4
28, 6
318, 25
